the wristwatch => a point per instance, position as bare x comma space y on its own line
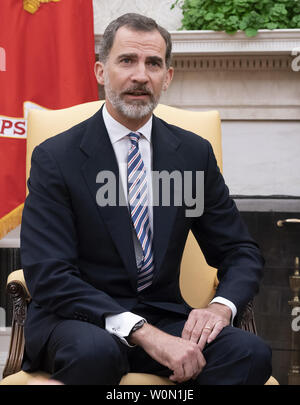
137, 326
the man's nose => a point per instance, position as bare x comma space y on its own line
140, 73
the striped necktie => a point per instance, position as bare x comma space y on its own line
138, 202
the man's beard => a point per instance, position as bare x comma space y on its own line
134, 109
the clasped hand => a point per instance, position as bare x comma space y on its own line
183, 355
202, 326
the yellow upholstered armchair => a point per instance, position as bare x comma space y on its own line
198, 280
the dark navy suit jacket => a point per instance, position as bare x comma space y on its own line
78, 258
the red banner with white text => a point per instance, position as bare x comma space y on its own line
46, 59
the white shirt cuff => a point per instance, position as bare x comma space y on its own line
228, 303
120, 325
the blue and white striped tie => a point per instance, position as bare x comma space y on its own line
138, 202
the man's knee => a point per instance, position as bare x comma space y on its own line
102, 360
259, 354
236, 357
261, 361
91, 356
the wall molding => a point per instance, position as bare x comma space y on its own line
268, 204
217, 43
212, 42
231, 63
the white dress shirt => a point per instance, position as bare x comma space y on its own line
121, 324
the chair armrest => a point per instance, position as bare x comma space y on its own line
17, 277
245, 319
19, 294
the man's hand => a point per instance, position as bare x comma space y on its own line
204, 325
183, 357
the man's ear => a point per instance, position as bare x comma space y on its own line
168, 78
99, 72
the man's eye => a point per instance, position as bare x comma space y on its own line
154, 63
125, 60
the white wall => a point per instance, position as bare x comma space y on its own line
4, 346
107, 10
262, 157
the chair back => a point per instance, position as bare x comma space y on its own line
197, 279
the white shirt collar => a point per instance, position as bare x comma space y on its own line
117, 131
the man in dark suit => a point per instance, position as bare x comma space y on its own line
104, 278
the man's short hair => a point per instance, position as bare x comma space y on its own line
136, 22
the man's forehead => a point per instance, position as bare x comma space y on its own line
129, 40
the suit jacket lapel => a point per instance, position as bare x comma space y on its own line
165, 158
101, 157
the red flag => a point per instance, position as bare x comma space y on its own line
46, 57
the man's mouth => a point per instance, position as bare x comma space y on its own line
137, 93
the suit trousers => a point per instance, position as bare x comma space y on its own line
80, 353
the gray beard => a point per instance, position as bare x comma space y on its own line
136, 109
